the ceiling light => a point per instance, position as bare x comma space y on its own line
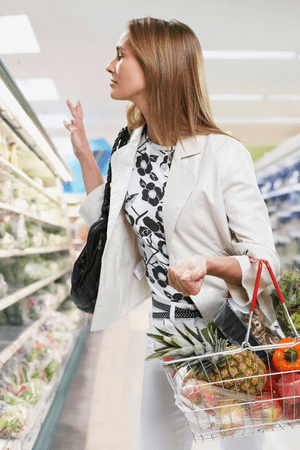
235, 97
17, 35
12, 104
54, 121
36, 89
283, 97
265, 120
248, 54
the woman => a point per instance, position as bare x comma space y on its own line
185, 212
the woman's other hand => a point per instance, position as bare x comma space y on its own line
90, 171
188, 274
79, 140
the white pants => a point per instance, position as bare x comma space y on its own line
162, 424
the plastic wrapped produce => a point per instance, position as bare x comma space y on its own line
19, 231
31, 392
51, 364
13, 420
6, 191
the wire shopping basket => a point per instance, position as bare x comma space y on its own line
244, 394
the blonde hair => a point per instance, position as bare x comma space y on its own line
171, 58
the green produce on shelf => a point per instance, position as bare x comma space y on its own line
13, 420
51, 368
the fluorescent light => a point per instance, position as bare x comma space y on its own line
248, 54
235, 97
265, 120
17, 35
250, 97
54, 121
283, 97
12, 105
36, 89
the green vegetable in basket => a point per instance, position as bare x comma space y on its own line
290, 288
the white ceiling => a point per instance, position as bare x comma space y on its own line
78, 38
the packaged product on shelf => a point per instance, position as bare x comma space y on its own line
51, 364
3, 147
7, 383
6, 192
19, 231
32, 391
3, 286
37, 236
16, 371
32, 308
13, 420
14, 314
9, 398
13, 155
37, 347
7, 240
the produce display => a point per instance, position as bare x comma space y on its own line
29, 200
22, 271
34, 240
224, 390
27, 375
16, 233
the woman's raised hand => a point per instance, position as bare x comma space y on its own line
78, 136
188, 274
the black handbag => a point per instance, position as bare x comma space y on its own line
86, 271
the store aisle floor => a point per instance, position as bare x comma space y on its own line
102, 407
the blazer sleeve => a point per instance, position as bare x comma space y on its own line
248, 221
90, 209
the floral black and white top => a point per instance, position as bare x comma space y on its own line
143, 208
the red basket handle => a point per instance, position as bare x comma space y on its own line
257, 281
254, 297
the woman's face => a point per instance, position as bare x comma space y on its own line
127, 77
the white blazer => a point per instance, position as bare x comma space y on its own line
212, 206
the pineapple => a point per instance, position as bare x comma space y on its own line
243, 371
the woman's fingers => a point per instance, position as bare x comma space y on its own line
187, 275
77, 114
79, 109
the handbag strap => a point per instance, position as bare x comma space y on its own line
122, 139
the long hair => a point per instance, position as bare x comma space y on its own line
171, 58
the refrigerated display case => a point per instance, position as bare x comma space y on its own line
39, 329
278, 177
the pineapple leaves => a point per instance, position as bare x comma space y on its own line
195, 335
183, 335
165, 333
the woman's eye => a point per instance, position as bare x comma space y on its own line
119, 56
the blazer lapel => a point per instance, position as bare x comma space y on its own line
180, 184
122, 164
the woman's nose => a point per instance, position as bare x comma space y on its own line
110, 67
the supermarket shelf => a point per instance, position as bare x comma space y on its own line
9, 351
12, 348
6, 207
10, 168
31, 251
39, 413
282, 191
28, 290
